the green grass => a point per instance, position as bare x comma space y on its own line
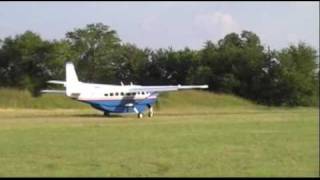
192, 134
13, 98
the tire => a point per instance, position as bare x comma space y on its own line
140, 115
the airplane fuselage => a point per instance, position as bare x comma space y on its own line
113, 98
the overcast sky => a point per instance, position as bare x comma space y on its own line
164, 24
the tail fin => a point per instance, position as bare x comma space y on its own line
71, 75
72, 82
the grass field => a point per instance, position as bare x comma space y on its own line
192, 134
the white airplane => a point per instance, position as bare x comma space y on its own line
113, 98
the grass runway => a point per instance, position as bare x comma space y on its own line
220, 142
193, 133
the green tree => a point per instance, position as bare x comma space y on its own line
94, 49
24, 61
299, 79
167, 66
236, 64
208, 67
130, 64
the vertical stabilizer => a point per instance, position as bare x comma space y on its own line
72, 82
71, 75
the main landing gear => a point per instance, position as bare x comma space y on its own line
139, 114
106, 113
150, 113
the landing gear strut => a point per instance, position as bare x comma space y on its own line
140, 115
150, 114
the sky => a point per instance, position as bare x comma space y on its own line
168, 24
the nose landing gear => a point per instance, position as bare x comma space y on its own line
140, 115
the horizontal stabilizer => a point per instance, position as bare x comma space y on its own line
56, 82
53, 91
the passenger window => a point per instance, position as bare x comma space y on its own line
117, 94
134, 94
111, 94
142, 93
138, 92
105, 94
128, 94
122, 94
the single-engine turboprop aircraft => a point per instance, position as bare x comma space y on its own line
113, 98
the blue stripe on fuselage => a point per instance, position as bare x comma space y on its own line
119, 106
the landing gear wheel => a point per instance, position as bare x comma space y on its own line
106, 113
150, 114
140, 115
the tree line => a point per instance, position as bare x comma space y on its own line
237, 64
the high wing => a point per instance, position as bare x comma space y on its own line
166, 88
